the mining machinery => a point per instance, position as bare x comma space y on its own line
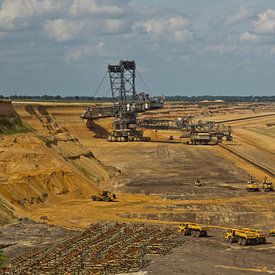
243, 236
198, 182
267, 185
127, 103
246, 236
122, 81
106, 196
193, 229
251, 185
122, 78
201, 132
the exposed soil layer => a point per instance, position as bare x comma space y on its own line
213, 255
26, 234
45, 167
166, 170
155, 250
10, 121
171, 169
101, 249
156, 183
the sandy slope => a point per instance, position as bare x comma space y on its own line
146, 168
46, 167
58, 160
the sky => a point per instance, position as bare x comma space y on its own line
181, 47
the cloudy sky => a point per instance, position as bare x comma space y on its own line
216, 47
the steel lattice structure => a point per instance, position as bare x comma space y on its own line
123, 81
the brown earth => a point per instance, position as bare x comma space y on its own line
156, 184
6, 108
164, 169
45, 167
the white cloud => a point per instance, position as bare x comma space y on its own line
99, 7
222, 48
173, 28
249, 37
114, 25
62, 30
17, 14
53, 32
266, 22
67, 20
81, 53
242, 14
178, 22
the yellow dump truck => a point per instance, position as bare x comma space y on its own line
245, 236
193, 229
261, 235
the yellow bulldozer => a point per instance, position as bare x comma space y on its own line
193, 229
267, 185
251, 185
106, 196
245, 236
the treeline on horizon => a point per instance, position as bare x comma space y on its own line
168, 98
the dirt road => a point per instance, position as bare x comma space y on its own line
214, 256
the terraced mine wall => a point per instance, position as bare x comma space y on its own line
10, 121
6, 108
41, 163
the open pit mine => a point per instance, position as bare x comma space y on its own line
138, 185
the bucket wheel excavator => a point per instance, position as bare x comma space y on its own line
122, 81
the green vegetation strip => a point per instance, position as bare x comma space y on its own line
3, 258
13, 125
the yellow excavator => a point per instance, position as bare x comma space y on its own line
267, 185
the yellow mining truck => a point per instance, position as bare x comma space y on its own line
243, 237
261, 235
104, 196
193, 229
251, 185
267, 185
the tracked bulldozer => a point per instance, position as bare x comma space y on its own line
106, 196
